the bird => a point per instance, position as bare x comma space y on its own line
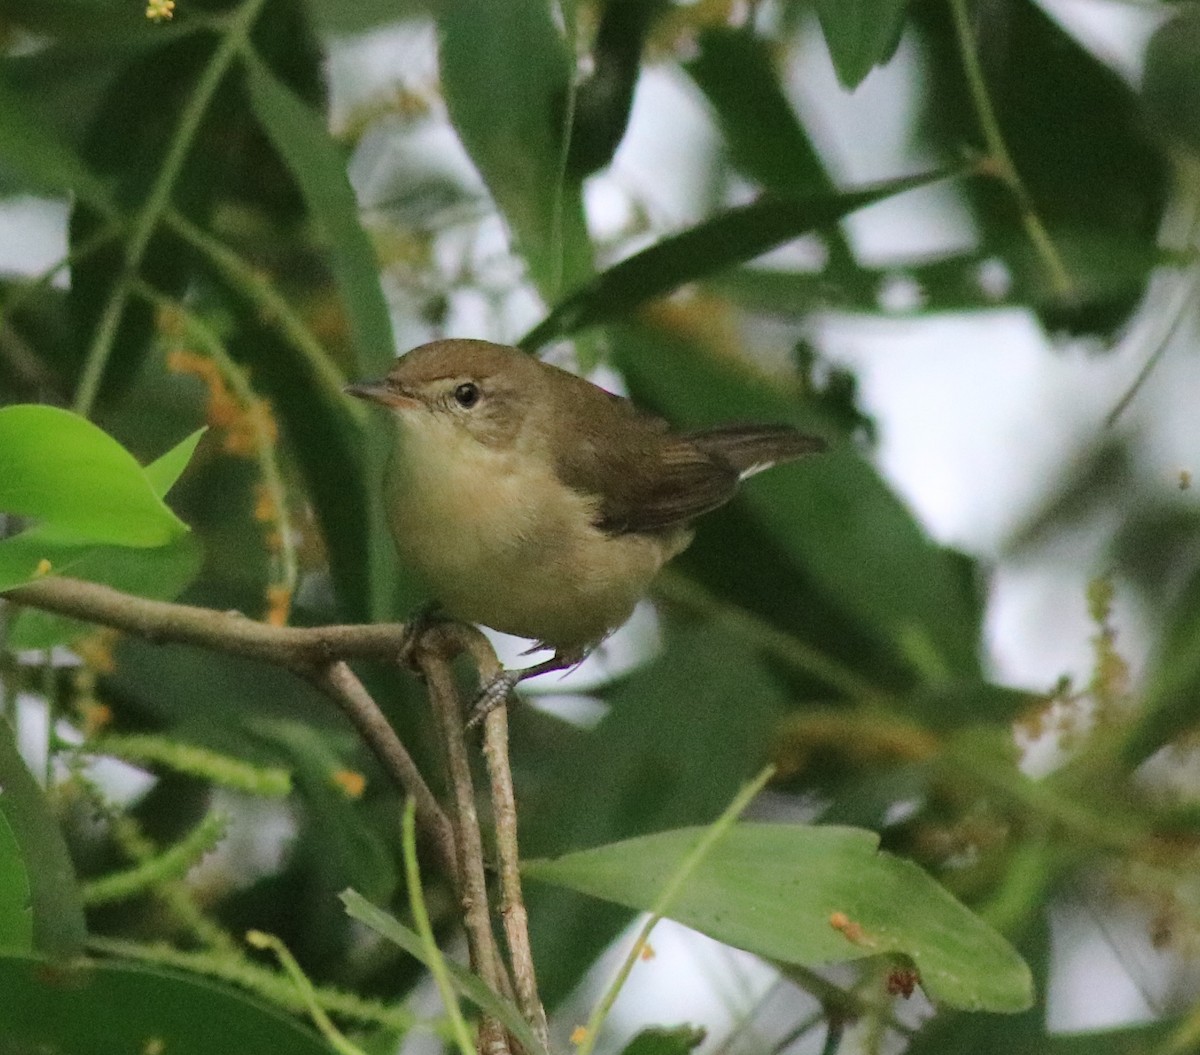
534, 502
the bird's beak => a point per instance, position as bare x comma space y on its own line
379, 392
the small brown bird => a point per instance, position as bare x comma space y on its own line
538, 504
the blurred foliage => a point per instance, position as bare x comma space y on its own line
221, 269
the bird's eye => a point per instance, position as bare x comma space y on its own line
467, 394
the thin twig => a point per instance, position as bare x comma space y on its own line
341, 684
504, 815
432, 655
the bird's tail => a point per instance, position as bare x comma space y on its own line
752, 448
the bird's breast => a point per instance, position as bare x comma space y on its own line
500, 540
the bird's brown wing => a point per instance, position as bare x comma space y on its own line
647, 480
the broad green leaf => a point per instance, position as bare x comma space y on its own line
1171, 86
161, 574
733, 237
319, 169
109, 1008
16, 912
30, 151
810, 896
861, 34
682, 735
58, 926
505, 75
61, 469
469, 985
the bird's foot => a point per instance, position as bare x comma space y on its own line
497, 691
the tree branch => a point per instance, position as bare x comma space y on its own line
316, 654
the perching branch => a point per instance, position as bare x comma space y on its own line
317, 654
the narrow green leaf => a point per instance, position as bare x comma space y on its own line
16, 911
167, 468
505, 76
58, 926
387, 926
319, 168
861, 34
733, 237
111, 1008
61, 469
811, 896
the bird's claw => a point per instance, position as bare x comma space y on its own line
494, 694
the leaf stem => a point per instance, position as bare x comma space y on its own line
666, 898
158, 199
989, 125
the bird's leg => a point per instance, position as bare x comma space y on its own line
427, 616
497, 691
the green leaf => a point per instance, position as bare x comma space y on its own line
30, 151
673, 750
59, 468
118, 1009
861, 34
319, 169
733, 237
662, 1041
505, 76
469, 985
778, 889
160, 574
16, 911
58, 926
831, 514
168, 468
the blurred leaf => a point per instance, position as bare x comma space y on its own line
662, 1041
30, 151
604, 99
319, 169
733, 237
1107, 272
345, 850
775, 889
1171, 83
831, 514
767, 142
1171, 704
119, 1009
16, 910
469, 985
861, 34
58, 926
505, 73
